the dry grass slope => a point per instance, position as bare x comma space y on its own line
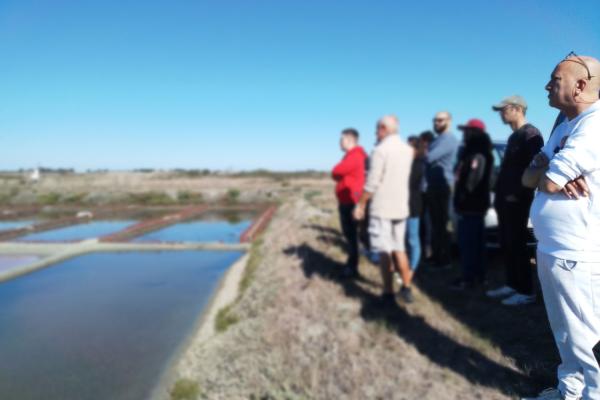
302, 333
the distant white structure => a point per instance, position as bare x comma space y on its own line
85, 214
35, 175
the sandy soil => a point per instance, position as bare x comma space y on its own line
306, 334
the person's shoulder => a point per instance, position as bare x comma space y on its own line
588, 126
591, 119
404, 146
378, 149
359, 151
529, 131
594, 116
451, 140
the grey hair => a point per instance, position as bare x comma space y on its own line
390, 122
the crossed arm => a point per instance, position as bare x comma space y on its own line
535, 178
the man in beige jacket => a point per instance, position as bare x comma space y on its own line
388, 189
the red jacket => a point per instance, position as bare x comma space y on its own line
350, 176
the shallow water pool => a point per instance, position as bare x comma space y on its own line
82, 231
102, 326
10, 225
210, 228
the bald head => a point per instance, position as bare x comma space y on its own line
390, 122
583, 68
593, 66
443, 114
442, 122
574, 84
387, 125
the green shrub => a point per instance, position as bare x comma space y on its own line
225, 318
48, 199
232, 196
308, 196
189, 197
76, 198
253, 262
185, 389
151, 198
7, 196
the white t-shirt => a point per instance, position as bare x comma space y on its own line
568, 228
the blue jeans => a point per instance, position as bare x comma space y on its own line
471, 242
413, 242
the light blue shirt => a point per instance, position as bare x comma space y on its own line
440, 161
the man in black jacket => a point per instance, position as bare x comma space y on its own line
512, 201
472, 201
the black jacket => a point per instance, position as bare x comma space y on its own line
523, 144
472, 190
415, 201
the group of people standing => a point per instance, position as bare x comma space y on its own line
413, 187
403, 194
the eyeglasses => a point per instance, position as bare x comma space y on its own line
576, 59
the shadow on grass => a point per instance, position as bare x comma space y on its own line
521, 333
435, 345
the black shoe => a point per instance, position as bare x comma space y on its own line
406, 294
440, 267
458, 284
387, 300
427, 263
350, 273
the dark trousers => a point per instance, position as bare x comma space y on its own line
471, 243
425, 227
438, 202
350, 231
363, 229
513, 233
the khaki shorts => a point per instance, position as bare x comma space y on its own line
387, 235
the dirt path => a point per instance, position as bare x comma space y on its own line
303, 333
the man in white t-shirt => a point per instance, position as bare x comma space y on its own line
566, 219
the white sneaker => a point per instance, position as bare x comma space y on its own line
502, 291
519, 299
548, 394
398, 278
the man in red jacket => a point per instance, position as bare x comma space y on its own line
350, 177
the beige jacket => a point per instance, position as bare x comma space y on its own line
388, 178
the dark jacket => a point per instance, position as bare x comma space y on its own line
415, 201
523, 144
472, 190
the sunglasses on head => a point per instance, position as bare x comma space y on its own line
576, 59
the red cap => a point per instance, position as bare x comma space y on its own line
473, 124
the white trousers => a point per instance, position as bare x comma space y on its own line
572, 298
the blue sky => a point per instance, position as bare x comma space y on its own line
263, 84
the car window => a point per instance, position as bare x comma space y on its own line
498, 152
